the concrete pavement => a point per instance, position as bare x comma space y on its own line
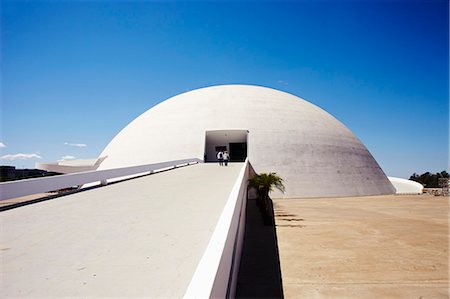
138, 238
364, 247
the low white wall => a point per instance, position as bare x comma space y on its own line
216, 274
38, 185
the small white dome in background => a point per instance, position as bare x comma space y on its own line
314, 153
404, 186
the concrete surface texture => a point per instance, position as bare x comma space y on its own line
315, 153
23, 199
138, 238
364, 247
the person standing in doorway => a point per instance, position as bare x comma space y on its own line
226, 157
220, 158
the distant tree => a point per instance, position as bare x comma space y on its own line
428, 179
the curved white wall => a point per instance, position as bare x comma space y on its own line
403, 186
315, 153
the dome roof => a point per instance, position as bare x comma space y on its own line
404, 186
313, 152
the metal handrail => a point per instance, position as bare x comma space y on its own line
38, 185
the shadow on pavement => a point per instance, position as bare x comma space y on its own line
259, 273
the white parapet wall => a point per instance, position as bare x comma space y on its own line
404, 186
32, 186
216, 274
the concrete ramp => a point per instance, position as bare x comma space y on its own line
138, 238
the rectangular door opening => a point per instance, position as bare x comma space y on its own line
238, 151
232, 141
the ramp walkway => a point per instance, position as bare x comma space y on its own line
138, 238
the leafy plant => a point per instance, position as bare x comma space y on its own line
264, 183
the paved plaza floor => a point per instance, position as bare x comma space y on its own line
364, 247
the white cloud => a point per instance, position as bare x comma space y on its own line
282, 82
64, 158
2, 145
75, 144
20, 157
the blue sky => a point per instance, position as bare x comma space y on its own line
75, 73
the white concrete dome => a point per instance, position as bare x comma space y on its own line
404, 186
313, 152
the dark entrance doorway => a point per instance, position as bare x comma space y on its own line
233, 141
238, 151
